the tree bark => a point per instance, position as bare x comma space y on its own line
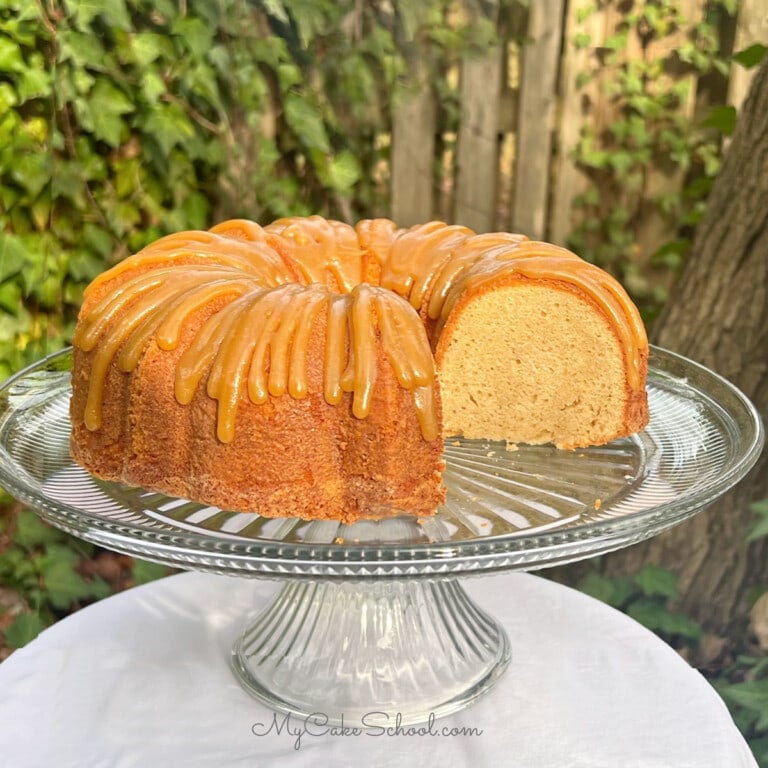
718, 315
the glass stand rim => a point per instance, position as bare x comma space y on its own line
517, 510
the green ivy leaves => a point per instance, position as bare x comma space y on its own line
101, 112
43, 566
306, 121
751, 56
169, 126
121, 121
759, 529
646, 598
647, 164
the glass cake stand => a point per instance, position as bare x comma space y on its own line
372, 617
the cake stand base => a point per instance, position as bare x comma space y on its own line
371, 654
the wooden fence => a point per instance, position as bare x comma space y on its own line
523, 110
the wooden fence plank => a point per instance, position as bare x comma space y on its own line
751, 27
536, 125
664, 177
536, 118
478, 142
575, 104
412, 157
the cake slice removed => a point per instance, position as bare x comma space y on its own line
542, 352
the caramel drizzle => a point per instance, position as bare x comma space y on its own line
464, 258
257, 344
151, 305
324, 251
415, 256
353, 322
375, 237
253, 257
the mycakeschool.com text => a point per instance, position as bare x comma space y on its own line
301, 728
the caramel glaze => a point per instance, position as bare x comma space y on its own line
375, 237
416, 254
278, 279
257, 343
213, 247
323, 251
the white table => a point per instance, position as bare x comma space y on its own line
142, 679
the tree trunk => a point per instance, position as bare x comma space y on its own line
718, 316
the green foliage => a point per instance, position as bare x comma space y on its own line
751, 56
722, 119
42, 565
646, 597
760, 527
744, 687
651, 138
143, 572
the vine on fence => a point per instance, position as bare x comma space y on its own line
651, 163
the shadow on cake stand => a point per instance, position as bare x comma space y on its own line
372, 625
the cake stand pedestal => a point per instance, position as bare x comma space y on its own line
372, 623
355, 652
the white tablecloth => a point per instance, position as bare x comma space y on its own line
142, 679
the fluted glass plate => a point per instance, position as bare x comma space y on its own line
508, 507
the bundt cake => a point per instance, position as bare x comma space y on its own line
312, 369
